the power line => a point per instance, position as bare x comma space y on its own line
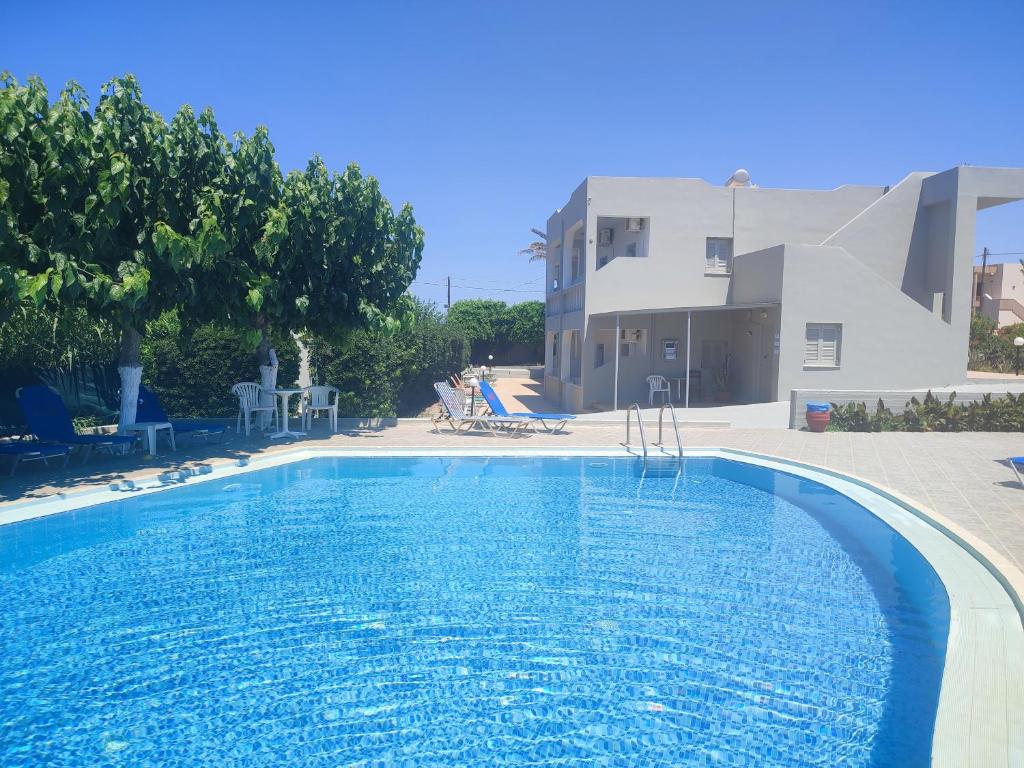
479, 287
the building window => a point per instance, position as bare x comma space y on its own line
599, 355
554, 353
824, 343
669, 349
718, 257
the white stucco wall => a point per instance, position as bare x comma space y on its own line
892, 265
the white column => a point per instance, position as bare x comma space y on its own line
615, 397
689, 315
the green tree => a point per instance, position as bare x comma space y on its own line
332, 257
381, 374
493, 327
484, 321
26, 158
526, 323
109, 183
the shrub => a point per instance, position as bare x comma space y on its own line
512, 334
391, 376
989, 349
1004, 414
192, 370
64, 349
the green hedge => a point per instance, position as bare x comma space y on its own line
498, 333
991, 349
391, 376
192, 372
1003, 414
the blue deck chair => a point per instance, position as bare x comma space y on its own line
1017, 465
559, 419
149, 409
50, 422
30, 450
453, 411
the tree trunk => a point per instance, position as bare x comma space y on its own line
267, 356
129, 366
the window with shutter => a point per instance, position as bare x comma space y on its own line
823, 344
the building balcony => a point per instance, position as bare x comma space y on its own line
566, 300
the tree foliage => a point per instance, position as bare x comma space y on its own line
192, 367
114, 211
492, 327
381, 374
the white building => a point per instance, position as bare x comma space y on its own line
1000, 294
757, 292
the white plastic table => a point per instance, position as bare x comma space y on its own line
151, 428
285, 394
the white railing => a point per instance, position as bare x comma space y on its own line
640, 424
717, 266
554, 304
572, 298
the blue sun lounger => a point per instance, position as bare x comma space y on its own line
50, 422
453, 411
559, 419
1017, 465
149, 409
30, 450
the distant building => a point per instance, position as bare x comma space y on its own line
859, 287
1000, 295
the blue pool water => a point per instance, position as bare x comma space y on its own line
470, 612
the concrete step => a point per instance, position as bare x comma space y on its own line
516, 371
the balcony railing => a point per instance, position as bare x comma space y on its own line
716, 266
568, 300
572, 298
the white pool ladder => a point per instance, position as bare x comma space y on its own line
675, 427
657, 467
640, 424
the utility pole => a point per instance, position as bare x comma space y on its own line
984, 264
449, 304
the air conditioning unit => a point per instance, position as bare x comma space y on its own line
634, 225
604, 236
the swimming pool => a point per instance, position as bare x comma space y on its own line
471, 611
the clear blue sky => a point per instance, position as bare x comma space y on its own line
487, 115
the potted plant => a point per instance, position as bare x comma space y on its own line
723, 381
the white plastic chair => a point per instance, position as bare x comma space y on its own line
658, 383
318, 399
249, 393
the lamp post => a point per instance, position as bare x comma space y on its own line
1017, 344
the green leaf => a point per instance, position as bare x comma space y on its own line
254, 299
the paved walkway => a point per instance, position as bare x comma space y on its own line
528, 395
960, 476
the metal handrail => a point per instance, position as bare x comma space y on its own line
675, 426
640, 423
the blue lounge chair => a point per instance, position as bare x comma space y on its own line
559, 419
50, 422
453, 411
30, 450
149, 409
1017, 465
